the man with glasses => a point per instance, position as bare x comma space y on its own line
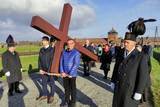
132, 75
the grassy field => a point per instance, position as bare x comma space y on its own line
29, 60
24, 48
155, 74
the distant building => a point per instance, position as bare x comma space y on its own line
113, 36
96, 41
149, 40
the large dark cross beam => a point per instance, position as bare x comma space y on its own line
61, 34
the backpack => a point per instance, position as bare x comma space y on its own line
99, 51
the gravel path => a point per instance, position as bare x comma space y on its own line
92, 91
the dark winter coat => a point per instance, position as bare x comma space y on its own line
131, 78
148, 84
85, 57
45, 58
119, 56
106, 59
149, 69
11, 62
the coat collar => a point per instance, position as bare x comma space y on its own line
131, 51
14, 53
46, 46
67, 50
131, 55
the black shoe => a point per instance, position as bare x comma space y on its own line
64, 104
10, 94
86, 74
18, 91
72, 105
105, 77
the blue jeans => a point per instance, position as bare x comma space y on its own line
48, 80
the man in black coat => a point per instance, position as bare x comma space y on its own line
86, 60
12, 66
44, 63
146, 96
132, 75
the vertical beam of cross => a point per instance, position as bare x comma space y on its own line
64, 26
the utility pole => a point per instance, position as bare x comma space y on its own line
156, 35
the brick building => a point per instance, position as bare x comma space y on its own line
113, 36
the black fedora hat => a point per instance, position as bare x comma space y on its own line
130, 36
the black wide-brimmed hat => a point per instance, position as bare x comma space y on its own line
10, 41
130, 36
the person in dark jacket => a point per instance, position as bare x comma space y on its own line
53, 41
119, 56
147, 90
93, 48
132, 75
44, 62
12, 66
106, 59
86, 60
69, 63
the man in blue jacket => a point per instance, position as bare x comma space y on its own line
69, 63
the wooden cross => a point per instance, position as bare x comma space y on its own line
61, 34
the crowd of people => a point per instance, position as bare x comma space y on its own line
130, 77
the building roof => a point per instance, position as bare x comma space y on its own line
112, 31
